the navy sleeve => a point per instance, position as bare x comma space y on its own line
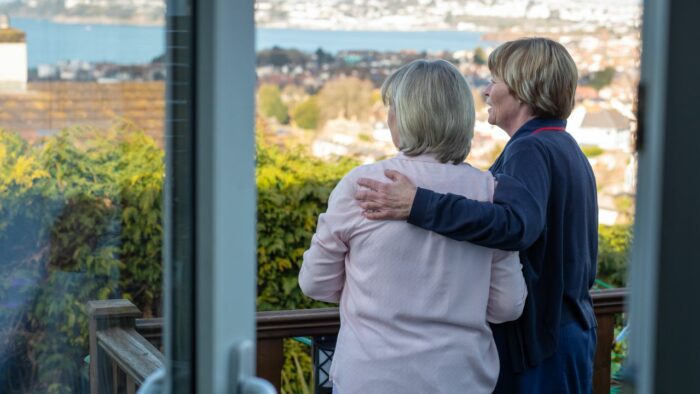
517, 215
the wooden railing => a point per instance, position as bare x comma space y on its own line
122, 350
120, 357
607, 304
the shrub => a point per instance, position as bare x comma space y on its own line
270, 103
592, 150
613, 252
293, 189
306, 115
80, 219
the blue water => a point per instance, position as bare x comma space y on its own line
49, 42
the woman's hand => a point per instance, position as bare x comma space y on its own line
387, 201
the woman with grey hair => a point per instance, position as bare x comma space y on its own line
414, 305
545, 206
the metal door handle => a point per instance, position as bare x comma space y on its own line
243, 380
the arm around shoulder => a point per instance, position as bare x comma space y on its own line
515, 218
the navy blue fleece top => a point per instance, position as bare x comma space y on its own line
544, 206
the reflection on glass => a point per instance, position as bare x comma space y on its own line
81, 179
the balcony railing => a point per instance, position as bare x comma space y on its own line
124, 349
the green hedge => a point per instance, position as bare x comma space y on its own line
80, 219
293, 189
613, 253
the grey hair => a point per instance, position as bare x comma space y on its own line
434, 109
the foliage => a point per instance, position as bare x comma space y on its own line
293, 95
613, 251
619, 351
592, 150
298, 364
293, 189
279, 57
270, 103
601, 79
80, 220
306, 115
624, 204
480, 57
348, 97
323, 57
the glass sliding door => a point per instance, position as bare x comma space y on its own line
210, 258
127, 191
179, 245
225, 274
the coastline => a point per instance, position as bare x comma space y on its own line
160, 22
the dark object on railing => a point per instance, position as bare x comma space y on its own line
323, 349
272, 328
120, 357
641, 112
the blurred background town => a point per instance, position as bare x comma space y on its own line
320, 65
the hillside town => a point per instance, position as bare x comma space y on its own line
479, 15
329, 101
603, 37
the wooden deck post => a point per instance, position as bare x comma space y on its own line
102, 315
607, 305
270, 360
601, 364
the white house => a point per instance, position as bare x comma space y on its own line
601, 127
13, 52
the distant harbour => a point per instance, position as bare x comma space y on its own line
51, 42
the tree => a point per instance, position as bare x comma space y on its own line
601, 79
348, 97
306, 115
270, 103
480, 57
293, 95
279, 57
323, 57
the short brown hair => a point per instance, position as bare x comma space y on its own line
434, 109
538, 71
